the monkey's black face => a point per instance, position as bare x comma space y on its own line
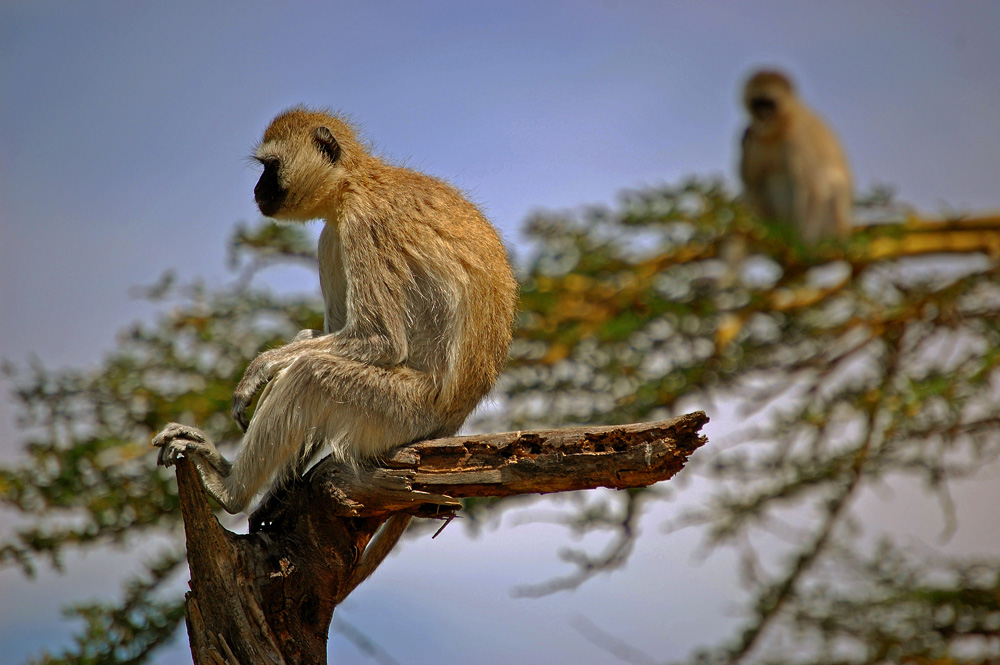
269, 193
762, 107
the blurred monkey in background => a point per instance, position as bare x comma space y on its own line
792, 166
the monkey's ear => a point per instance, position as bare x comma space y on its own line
324, 139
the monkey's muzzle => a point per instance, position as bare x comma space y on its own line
762, 107
269, 194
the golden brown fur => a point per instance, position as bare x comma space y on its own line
792, 165
419, 300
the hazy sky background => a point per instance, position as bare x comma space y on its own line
123, 132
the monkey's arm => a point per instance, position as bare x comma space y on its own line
378, 278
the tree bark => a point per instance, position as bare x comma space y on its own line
269, 596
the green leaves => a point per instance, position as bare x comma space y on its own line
857, 366
838, 366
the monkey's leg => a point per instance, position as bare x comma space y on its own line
371, 409
368, 411
370, 351
351, 409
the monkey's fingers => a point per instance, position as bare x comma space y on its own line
174, 440
308, 334
254, 378
166, 457
169, 452
239, 412
178, 431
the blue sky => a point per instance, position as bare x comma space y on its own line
123, 132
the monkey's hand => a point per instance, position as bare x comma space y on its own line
309, 333
177, 440
262, 369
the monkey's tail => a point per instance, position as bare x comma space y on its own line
378, 549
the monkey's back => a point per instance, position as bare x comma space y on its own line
461, 307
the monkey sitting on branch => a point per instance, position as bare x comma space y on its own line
792, 166
419, 302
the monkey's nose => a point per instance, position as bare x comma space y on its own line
269, 195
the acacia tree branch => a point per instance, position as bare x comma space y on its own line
269, 596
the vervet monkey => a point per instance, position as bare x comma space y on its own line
419, 300
792, 166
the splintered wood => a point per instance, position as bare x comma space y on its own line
542, 461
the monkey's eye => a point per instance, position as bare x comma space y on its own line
269, 163
324, 139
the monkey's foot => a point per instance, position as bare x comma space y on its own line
177, 440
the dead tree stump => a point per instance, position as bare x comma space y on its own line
269, 596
